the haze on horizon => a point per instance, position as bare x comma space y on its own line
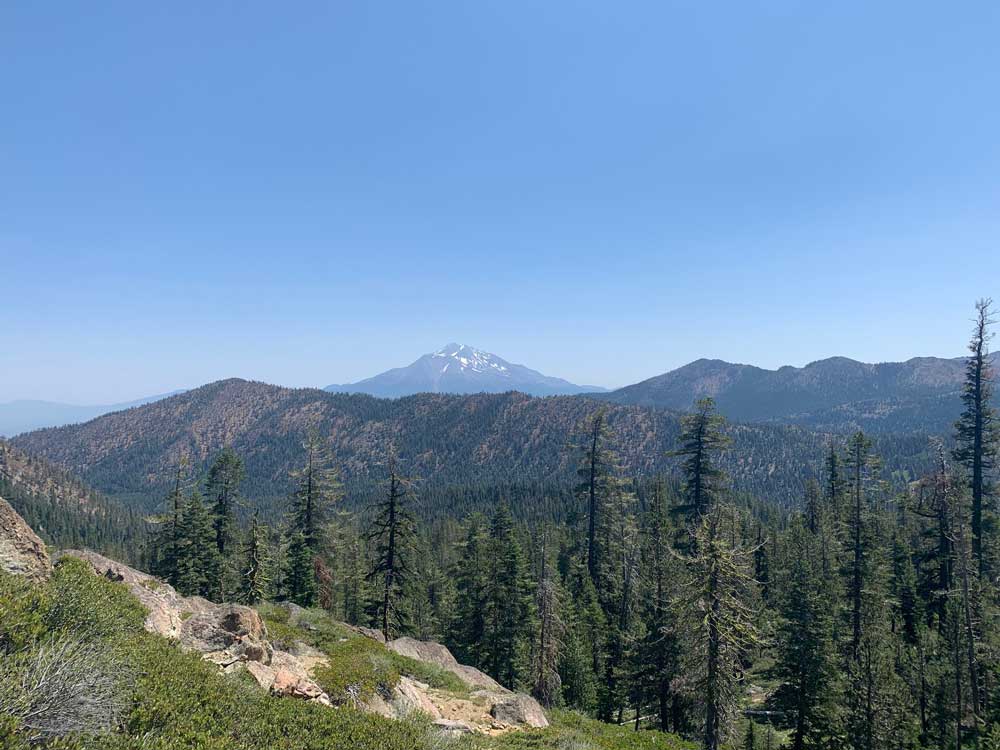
599, 193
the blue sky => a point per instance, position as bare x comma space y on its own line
313, 193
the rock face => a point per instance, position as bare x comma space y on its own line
230, 635
21, 551
490, 705
435, 653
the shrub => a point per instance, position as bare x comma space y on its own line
90, 606
22, 613
63, 686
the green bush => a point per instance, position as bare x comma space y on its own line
573, 731
90, 606
23, 607
358, 667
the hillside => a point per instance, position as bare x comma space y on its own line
96, 655
459, 368
836, 394
483, 439
62, 509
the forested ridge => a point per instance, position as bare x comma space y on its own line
837, 394
457, 445
66, 512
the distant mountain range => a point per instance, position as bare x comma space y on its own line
835, 394
454, 442
22, 416
459, 368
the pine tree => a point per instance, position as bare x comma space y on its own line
255, 583
617, 592
317, 489
551, 630
583, 656
701, 439
467, 629
354, 584
596, 471
508, 607
300, 574
223, 488
168, 540
392, 533
197, 556
833, 490
716, 607
659, 649
862, 467
807, 650
977, 432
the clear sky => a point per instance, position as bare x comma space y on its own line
312, 193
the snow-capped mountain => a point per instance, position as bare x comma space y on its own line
458, 368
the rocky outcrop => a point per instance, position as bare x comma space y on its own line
517, 709
230, 635
435, 653
493, 705
234, 637
22, 553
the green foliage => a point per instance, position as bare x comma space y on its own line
570, 730
300, 575
22, 612
222, 488
359, 666
198, 561
508, 606
701, 441
89, 606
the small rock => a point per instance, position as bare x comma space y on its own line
454, 726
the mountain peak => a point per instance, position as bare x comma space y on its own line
469, 359
461, 368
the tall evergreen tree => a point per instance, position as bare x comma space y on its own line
197, 556
168, 539
391, 533
508, 607
550, 632
596, 471
701, 439
222, 488
317, 488
806, 646
300, 573
582, 658
833, 484
977, 431
862, 467
660, 648
716, 607
254, 579
467, 629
